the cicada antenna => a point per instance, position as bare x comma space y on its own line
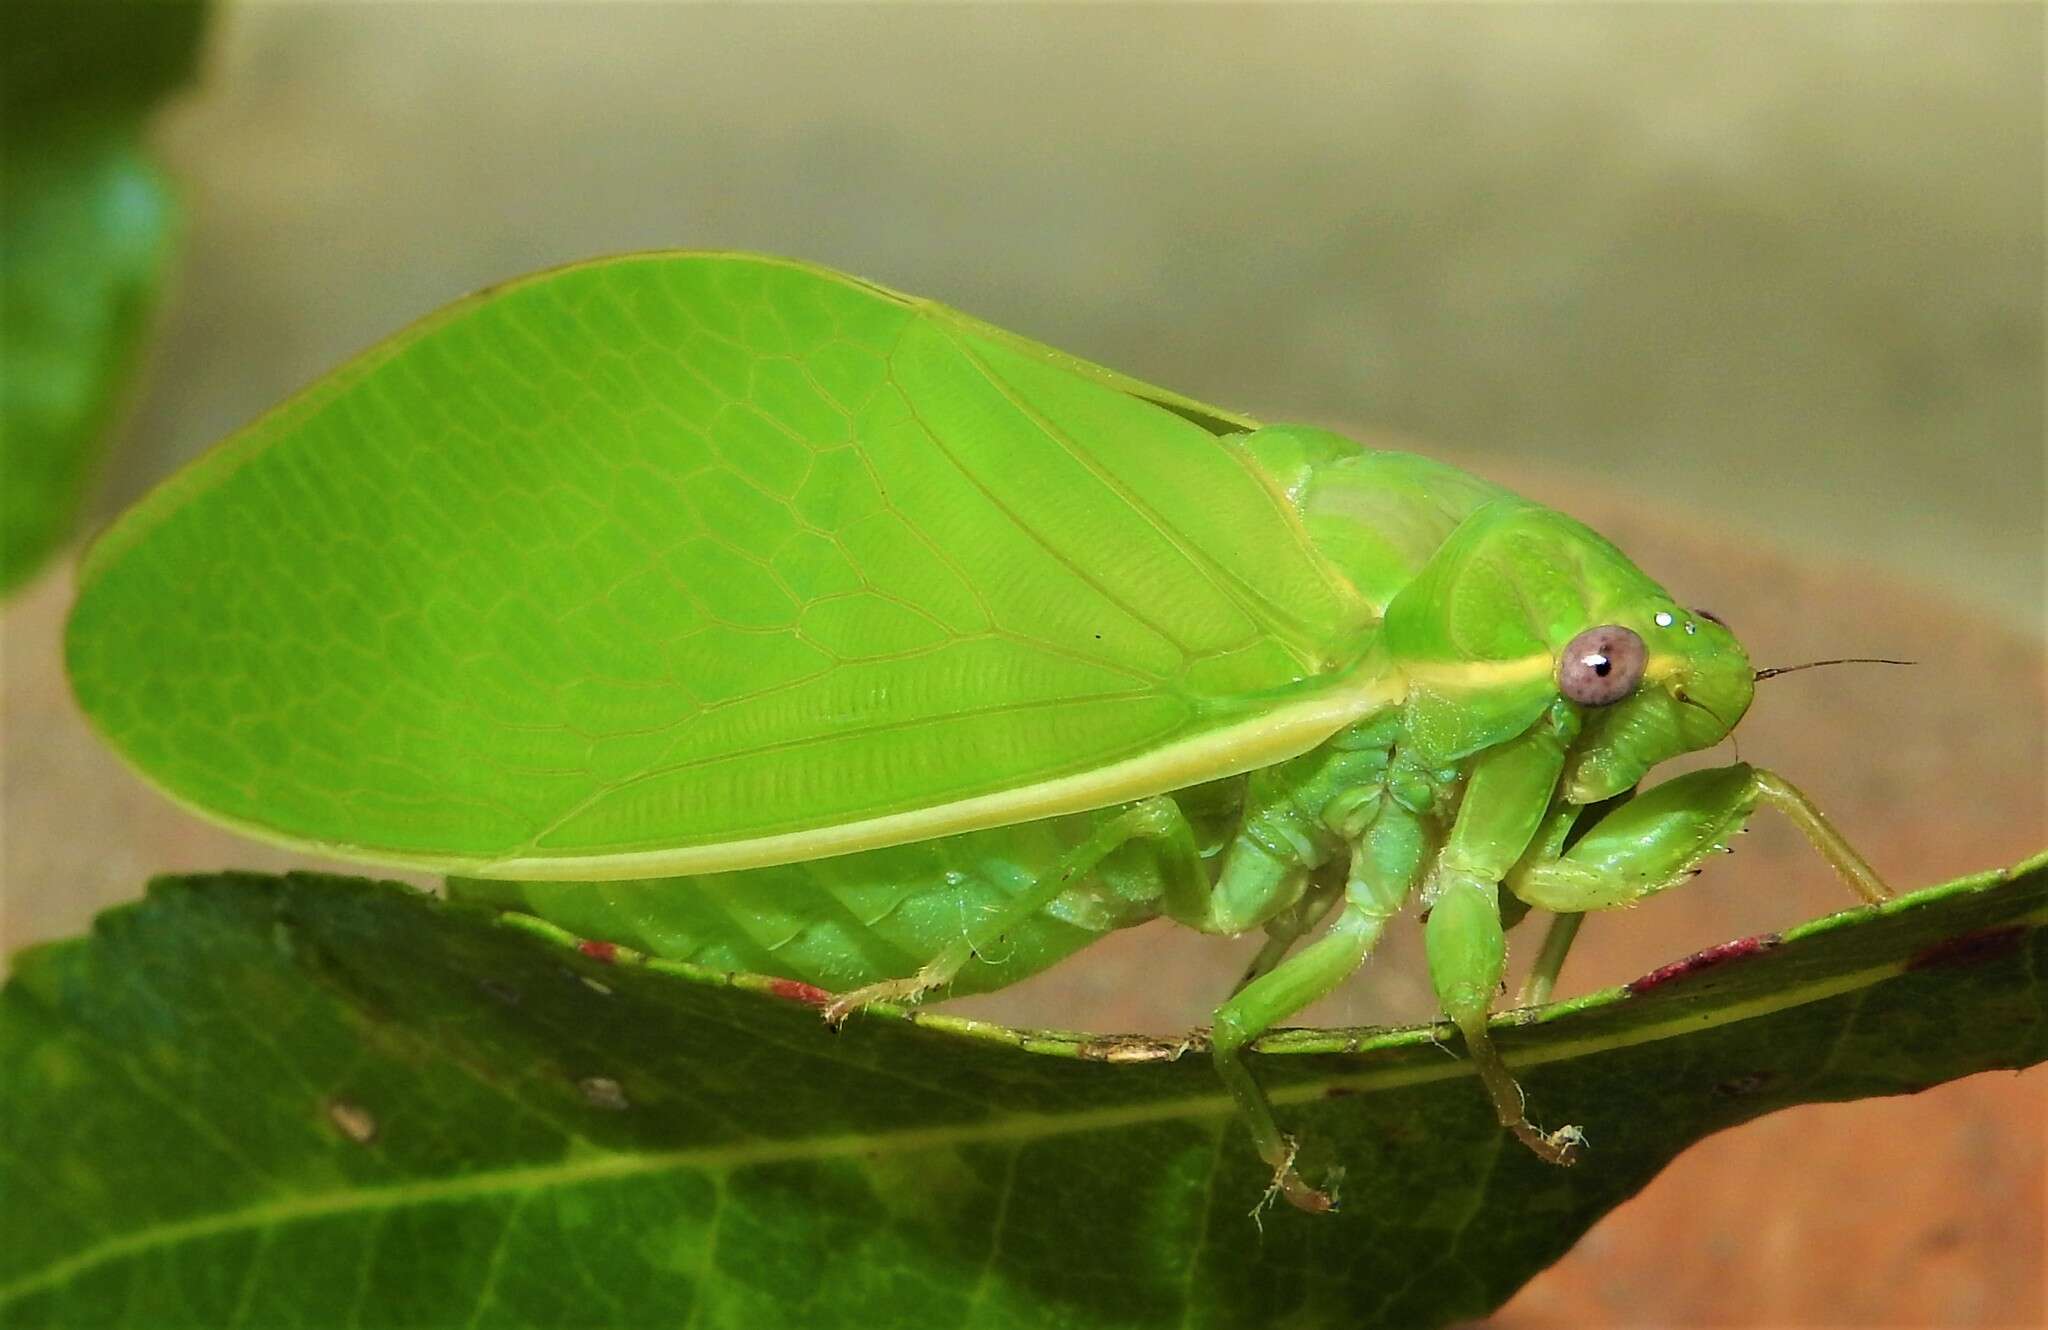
1839, 660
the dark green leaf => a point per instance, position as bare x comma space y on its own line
319, 1101
86, 222
93, 57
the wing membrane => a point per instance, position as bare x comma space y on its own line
691, 561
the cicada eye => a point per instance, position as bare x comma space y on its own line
1602, 665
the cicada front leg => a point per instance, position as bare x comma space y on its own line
1636, 845
1658, 838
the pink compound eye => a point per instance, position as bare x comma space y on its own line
1601, 665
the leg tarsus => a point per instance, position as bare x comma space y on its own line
1288, 1183
1558, 1147
906, 991
1275, 1147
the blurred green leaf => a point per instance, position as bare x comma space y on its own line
86, 224
316, 1101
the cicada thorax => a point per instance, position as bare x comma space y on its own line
1376, 516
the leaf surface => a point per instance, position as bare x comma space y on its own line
255, 1101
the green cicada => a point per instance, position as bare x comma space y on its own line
754, 615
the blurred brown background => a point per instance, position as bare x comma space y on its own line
1756, 291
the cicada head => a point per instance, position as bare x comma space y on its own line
1692, 685
1523, 609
